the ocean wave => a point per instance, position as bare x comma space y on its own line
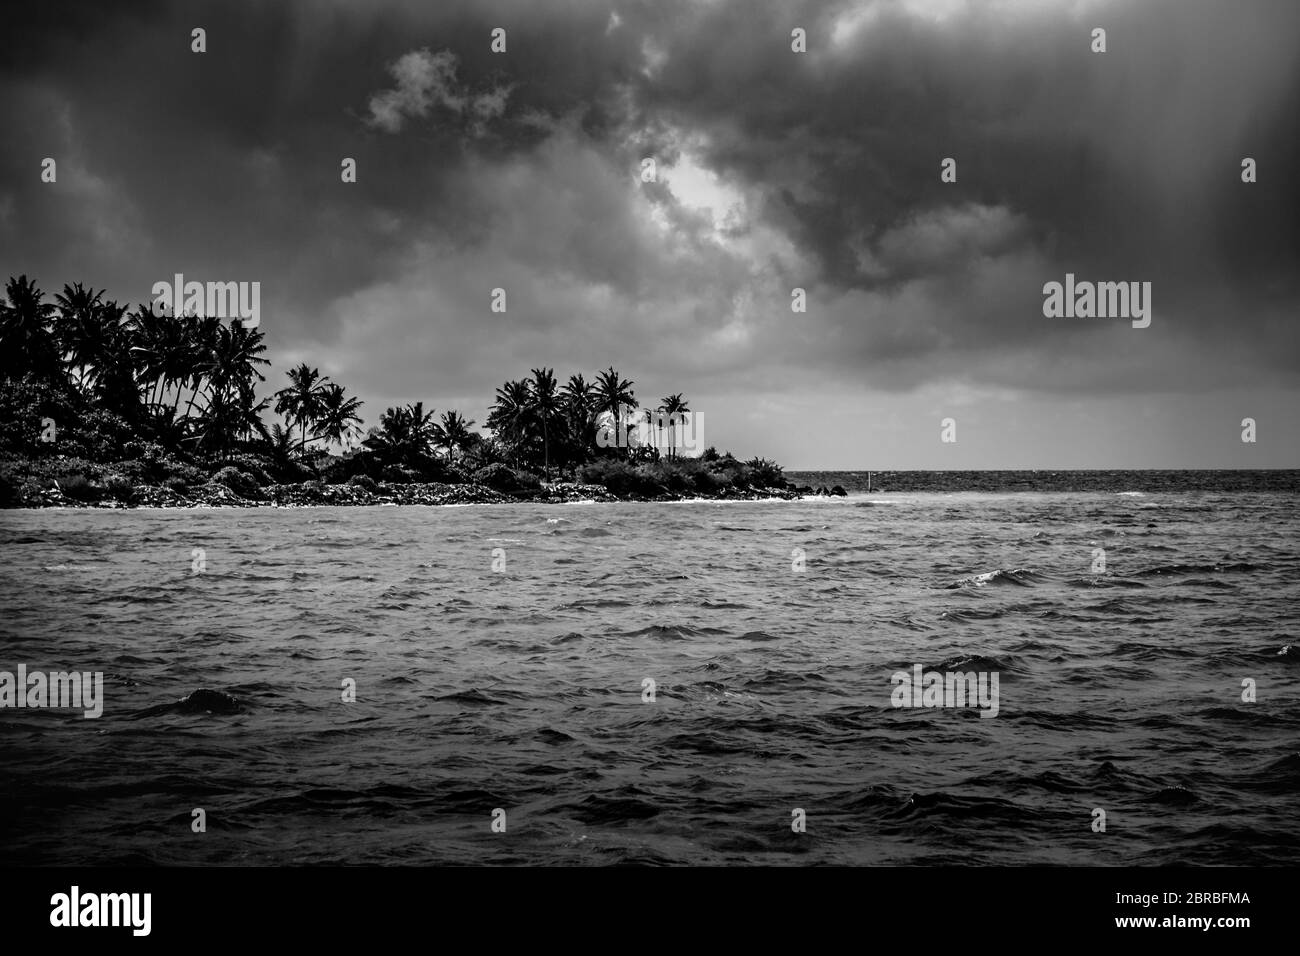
1240, 567
524, 691
201, 701
1020, 577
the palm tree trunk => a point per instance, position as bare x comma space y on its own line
189, 409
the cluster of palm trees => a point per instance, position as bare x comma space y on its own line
190, 382
409, 432
185, 381
319, 407
536, 421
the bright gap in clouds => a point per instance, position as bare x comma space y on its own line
699, 188
859, 16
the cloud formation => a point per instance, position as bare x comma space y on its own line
426, 80
776, 170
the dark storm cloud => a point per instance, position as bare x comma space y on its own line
230, 160
478, 171
1123, 165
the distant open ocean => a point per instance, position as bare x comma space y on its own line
1155, 480
1120, 689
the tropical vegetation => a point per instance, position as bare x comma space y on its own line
93, 394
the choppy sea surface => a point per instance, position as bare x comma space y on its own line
522, 688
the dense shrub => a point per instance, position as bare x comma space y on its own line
291, 473
56, 469
102, 434
10, 490
120, 487
711, 482
624, 478
480, 453
701, 476
80, 488
427, 468
24, 405
340, 470
237, 481
687, 476
678, 476
765, 474
365, 482
731, 471
254, 466
150, 463
502, 478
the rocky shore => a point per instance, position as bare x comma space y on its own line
316, 493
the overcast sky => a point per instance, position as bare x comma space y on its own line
776, 170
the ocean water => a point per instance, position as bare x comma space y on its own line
1149, 480
522, 689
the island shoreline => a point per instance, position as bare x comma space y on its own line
311, 495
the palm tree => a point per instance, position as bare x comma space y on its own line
96, 345
654, 419
278, 446
578, 393
421, 428
84, 335
479, 451
235, 356
579, 409
453, 433
222, 419
511, 415
545, 405
673, 406
200, 340
403, 433
613, 395
162, 356
302, 399
389, 437
176, 361
338, 419
228, 365
115, 374
146, 333
27, 340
